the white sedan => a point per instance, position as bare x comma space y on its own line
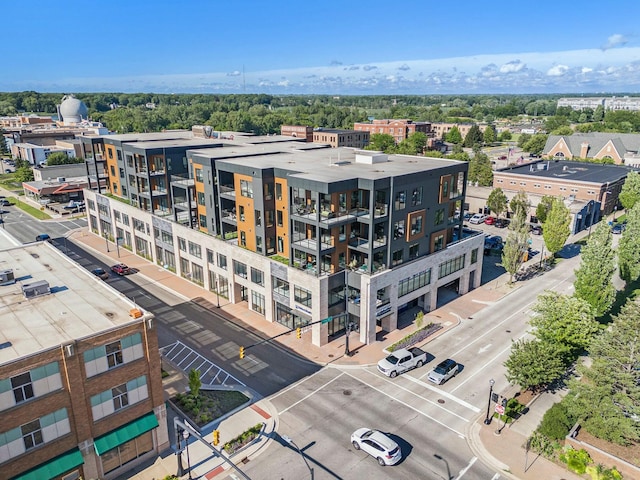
478, 218
378, 445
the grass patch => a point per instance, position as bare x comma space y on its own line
209, 404
119, 199
33, 211
280, 258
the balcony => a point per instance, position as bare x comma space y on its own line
311, 244
157, 172
229, 216
227, 191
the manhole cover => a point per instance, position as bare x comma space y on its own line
508, 331
330, 355
440, 400
346, 392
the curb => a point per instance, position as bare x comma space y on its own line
480, 451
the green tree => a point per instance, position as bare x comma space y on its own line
629, 246
61, 158
523, 139
497, 201
564, 130
533, 364
520, 203
536, 144
480, 170
4, 150
381, 142
489, 135
24, 173
474, 137
556, 227
453, 136
607, 398
415, 144
630, 193
566, 322
557, 422
194, 382
543, 208
516, 244
597, 266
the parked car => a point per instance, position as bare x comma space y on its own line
378, 445
444, 371
618, 228
121, 269
536, 229
43, 237
478, 218
502, 222
467, 215
492, 242
490, 220
100, 273
5, 203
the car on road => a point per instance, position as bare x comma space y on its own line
43, 237
378, 445
401, 360
100, 273
618, 228
478, 218
121, 269
490, 220
5, 203
444, 371
502, 222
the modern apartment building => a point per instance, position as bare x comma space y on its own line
308, 235
80, 382
399, 129
608, 103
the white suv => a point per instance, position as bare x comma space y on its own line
378, 445
478, 218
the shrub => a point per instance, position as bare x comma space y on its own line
544, 445
600, 472
556, 422
242, 439
576, 460
415, 337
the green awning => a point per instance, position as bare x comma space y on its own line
55, 467
125, 433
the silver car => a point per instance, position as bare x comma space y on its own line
478, 218
444, 371
378, 445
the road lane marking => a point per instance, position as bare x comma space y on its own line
482, 369
397, 385
461, 435
465, 469
496, 476
444, 393
307, 396
296, 384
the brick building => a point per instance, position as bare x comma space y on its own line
399, 129
80, 384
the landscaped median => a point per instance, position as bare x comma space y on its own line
420, 335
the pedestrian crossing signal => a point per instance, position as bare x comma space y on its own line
299, 332
216, 437
241, 352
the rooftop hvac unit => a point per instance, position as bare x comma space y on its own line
7, 277
36, 289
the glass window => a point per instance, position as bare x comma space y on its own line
182, 244
257, 302
474, 255
199, 176
398, 229
120, 396
257, 276
279, 218
302, 296
31, 434
22, 387
413, 251
401, 200
114, 354
195, 250
258, 217
243, 239
222, 261
416, 225
280, 286
396, 257
451, 266
246, 188
240, 269
439, 217
278, 191
416, 196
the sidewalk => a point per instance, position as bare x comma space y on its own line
504, 452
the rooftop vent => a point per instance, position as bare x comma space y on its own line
371, 157
36, 289
7, 277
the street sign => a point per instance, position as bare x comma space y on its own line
326, 320
499, 409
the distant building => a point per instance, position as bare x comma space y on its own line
399, 129
24, 120
341, 138
38, 154
80, 383
297, 131
608, 103
72, 111
622, 148
441, 129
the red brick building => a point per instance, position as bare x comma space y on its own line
398, 129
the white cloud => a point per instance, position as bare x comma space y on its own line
557, 70
586, 70
510, 67
615, 40
235, 73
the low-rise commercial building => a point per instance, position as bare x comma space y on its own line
80, 383
399, 129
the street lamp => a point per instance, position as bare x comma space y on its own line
615, 209
106, 240
487, 419
349, 326
217, 290
292, 443
185, 435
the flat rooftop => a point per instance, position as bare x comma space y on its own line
337, 164
567, 170
79, 305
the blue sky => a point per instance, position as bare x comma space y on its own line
329, 47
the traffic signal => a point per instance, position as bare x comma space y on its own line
299, 332
216, 437
504, 403
241, 352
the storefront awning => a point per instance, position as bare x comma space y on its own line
125, 433
54, 467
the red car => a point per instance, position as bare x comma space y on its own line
121, 269
490, 220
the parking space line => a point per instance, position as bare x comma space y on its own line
307, 396
461, 435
